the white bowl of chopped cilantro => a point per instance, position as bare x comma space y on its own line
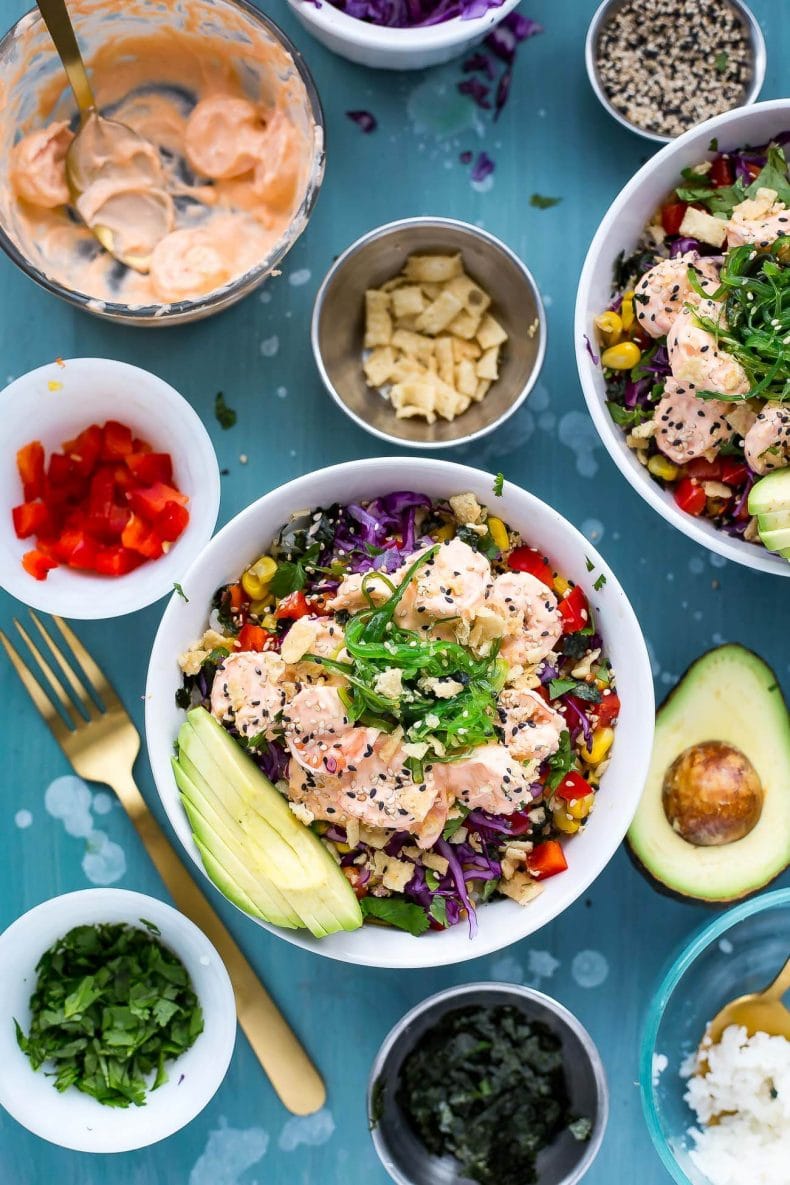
231, 823
395, 35
690, 494
163, 1022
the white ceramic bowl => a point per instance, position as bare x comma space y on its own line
76, 1120
394, 49
620, 230
501, 922
94, 390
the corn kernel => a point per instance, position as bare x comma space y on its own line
443, 533
561, 586
621, 357
627, 310
581, 807
269, 621
610, 328
261, 607
498, 532
662, 467
256, 579
565, 822
601, 744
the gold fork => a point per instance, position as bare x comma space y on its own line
101, 742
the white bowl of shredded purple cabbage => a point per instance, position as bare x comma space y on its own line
407, 34
443, 681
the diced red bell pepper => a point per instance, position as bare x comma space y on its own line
117, 561
253, 637
149, 468
720, 172
734, 472
141, 446
608, 709
102, 489
139, 536
547, 859
171, 521
30, 464
31, 518
520, 823
527, 559
292, 607
753, 169
84, 450
238, 598
37, 564
124, 478
574, 611
703, 470
573, 786
107, 522
150, 501
672, 214
689, 496
117, 441
61, 469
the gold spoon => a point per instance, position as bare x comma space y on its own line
757, 1012
121, 166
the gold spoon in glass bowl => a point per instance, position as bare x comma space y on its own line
757, 1012
114, 175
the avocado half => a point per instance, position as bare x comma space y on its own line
726, 716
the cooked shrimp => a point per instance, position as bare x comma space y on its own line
378, 790
490, 779
248, 692
767, 443
695, 357
532, 621
531, 729
688, 427
661, 292
760, 220
319, 733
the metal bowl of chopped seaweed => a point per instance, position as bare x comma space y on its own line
488, 1083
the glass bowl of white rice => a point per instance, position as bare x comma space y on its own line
747, 1087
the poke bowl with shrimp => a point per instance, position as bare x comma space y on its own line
683, 334
437, 698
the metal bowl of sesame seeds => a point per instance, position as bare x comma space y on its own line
660, 67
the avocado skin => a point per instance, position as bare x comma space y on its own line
653, 876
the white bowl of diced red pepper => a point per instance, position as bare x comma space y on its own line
109, 488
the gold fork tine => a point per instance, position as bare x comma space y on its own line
95, 676
84, 699
36, 693
74, 718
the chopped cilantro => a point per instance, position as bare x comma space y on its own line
452, 825
541, 202
438, 910
714, 145
577, 687
599, 583
482, 543
628, 417
499, 483
589, 564
225, 416
560, 762
395, 911
177, 588
291, 575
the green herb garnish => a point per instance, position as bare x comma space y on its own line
561, 762
452, 825
225, 416
628, 417
394, 911
541, 202
600, 582
577, 687
183, 699
111, 1006
487, 1085
499, 484
291, 575
177, 588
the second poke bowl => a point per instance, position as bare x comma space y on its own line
404, 693
680, 341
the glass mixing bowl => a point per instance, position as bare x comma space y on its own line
738, 953
29, 65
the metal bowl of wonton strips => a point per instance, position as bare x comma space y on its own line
563, 1162
338, 327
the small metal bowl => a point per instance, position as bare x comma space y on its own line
400, 1150
338, 327
601, 18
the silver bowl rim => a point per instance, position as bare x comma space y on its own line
184, 311
564, 1015
389, 228
759, 59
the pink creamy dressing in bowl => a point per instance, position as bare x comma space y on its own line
238, 157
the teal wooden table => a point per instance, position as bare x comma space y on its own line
603, 956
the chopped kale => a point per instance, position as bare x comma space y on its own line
225, 416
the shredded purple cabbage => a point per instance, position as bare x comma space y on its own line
681, 246
577, 721
483, 167
477, 91
414, 14
273, 761
364, 120
465, 157
456, 871
590, 350
380, 536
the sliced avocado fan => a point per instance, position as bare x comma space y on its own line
713, 823
769, 501
264, 859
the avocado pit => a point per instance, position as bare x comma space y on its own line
712, 794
